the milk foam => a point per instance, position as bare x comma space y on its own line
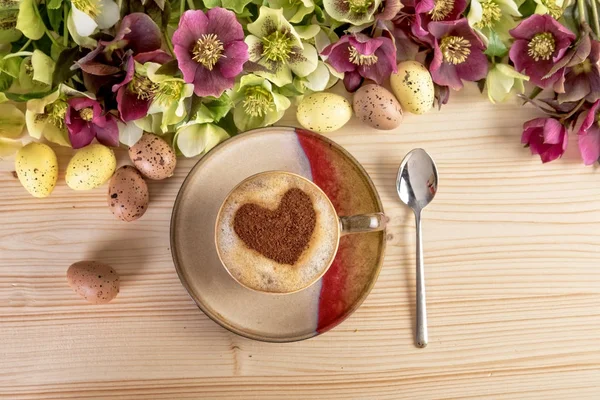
258, 272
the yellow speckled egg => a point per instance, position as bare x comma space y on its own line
323, 112
90, 167
413, 87
37, 168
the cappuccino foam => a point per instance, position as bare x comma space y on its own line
255, 270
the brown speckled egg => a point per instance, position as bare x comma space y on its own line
377, 107
128, 194
153, 157
96, 282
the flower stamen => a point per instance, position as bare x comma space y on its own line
491, 14
143, 87
441, 9
92, 8
277, 47
541, 46
358, 6
86, 114
56, 113
168, 92
554, 9
455, 49
257, 101
360, 59
208, 50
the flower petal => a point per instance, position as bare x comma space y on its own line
192, 25
224, 24
304, 60
235, 55
352, 81
108, 135
208, 83
589, 146
129, 133
109, 14
84, 24
130, 106
474, 68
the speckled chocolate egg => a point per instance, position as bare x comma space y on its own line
128, 194
413, 87
96, 282
377, 107
153, 157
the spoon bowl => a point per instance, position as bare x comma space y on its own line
417, 184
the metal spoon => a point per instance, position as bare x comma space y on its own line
416, 184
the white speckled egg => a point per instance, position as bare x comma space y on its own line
377, 107
96, 282
413, 87
153, 157
323, 112
90, 167
37, 168
128, 196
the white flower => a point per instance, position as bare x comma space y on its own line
87, 15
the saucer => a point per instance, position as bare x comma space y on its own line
270, 317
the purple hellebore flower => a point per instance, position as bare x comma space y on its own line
85, 121
540, 42
359, 56
458, 54
589, 136
546, 137
581, 77
427, 11
210, 50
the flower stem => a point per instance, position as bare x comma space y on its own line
191, 4
596, 23
169, 43
65, 28
181, 7
48, 33
26, 45
581, 9
573, 111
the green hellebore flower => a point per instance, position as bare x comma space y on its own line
493, 16
552, 7
35, 73
9, 12
256, 103
172, 97
356, 12
293, 10
501, 79
274, 43
195, 138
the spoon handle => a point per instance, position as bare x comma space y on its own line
421, 338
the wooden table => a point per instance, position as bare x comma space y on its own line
512, 255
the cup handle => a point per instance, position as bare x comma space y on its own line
363, 223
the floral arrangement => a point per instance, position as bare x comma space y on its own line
197, 71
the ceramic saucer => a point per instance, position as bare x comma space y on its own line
267, 317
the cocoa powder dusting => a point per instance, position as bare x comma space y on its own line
281, 235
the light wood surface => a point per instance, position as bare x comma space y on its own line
512, 258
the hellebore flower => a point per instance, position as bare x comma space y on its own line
194, 138
358, 56
85, 121
210, 50
497, 16
46, 117
293, 10
458, 54
540, 43
87, 15
427, 11
135, 92
356, 12
552, 7
546, 137
501, 79
257, 104
581, 68
589, 136
274, 44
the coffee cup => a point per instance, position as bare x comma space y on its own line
278, 233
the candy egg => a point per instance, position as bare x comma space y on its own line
413, 87
37, 168
153, 157
323, 112
128, 194
96, 282
90, 167
377, 107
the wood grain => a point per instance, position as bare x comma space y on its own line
512, 251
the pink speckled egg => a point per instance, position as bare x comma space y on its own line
96, 282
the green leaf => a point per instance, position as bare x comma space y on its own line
496, 47
8, 147
219, 107
62, 71
9, 71
527, 8
212, 3
29, 21
22, 97
55, 17
235, 5
12, 121
54, 4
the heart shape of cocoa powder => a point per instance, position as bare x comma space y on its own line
282, 234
